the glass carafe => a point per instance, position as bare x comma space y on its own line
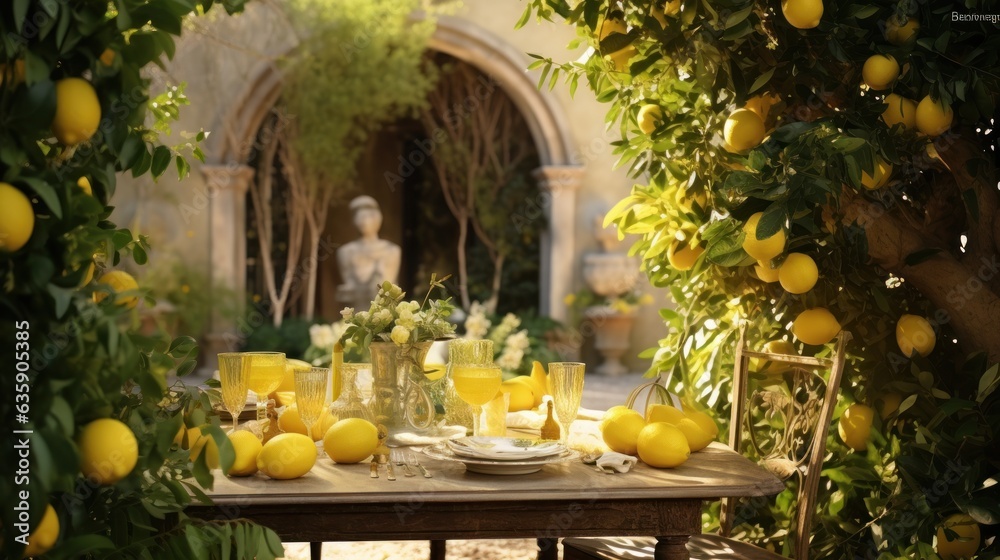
350, 404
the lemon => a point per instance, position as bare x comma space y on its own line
765, 272
108, 56
682, 256
84, 184
190, 436
900, 110
883, 170
761, 104
705, 421
743, 130
798, 274
179, 439
246, 447
967, 543
611, 413
288, 380
351, 440
205, 443
662, 446
44, 537
880, 71
855, 426
78, 111
289, 421
815, 326
287, 456
17, 75
664, 413
686, 200
283, 398
108, 451
621, 431
17, 218
119, 281
697, 438
914, 333
899, 33
540, 380
933, 118
889, 404
521, 395
802, 14
668, 9
762, 249
433, 372
620, 60
650, 116
611, 25
774, 368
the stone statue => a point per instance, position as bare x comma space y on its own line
366, 262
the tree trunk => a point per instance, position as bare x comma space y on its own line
494, 300
463, 267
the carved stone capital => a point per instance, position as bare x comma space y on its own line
229, 176
556, 178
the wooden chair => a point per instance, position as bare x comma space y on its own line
798, 451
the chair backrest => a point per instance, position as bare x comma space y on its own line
799, 451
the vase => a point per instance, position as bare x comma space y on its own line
400, 400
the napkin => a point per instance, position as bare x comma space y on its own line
534, 418
619, 462
442, 433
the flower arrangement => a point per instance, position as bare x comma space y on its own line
391, 319
321, 340
511, 344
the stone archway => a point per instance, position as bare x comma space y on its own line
558, 177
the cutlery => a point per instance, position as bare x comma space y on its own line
411, 459
396, 456
374, 468
383, 459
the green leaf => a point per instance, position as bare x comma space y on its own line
46, 193
183, 167
762, 80
988, 383
771, 222
62, 298
161, 160
907, 403
736, 18
20, 14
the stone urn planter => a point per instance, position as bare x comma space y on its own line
612, 330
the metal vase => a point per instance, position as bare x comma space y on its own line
400, 401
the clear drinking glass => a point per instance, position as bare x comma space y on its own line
351, 404
310, 394
494, 420
476, 379
266, 371
566, 379
234, 375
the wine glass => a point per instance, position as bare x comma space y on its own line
266, 372
476, 379
566, 379
234, 374
310, 394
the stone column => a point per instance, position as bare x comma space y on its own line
559, 184
227, 188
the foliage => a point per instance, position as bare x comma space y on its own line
713, 57
292, 337
391, 319
623, 303
184, 287
517, 341
84, 362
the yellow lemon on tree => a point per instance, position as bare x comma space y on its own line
900, 110
620, 60
774, 368
108, 56
521, 395
705, 421
287, 456
664, 413
965, 545
17, 218
933, 118
880, 71
915, 334
78, 111
686, 199
16, 75
696, 437
802, 14
668, 9
900, 33
351, 440
662, 446
84, 184
815, 326
883, 170
889, 404
761, 104
108, 451
743, 130
682, 255
762, 249
765, 272
798, 274
119, 281
855, 426
621, 431
246, 448
650, 116
45, 535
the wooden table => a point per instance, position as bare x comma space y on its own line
341, 503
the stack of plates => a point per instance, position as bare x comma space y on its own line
500, 455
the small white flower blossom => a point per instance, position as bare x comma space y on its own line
518, 340
321, 336
347, 313
384, 316
510, 359
400, 334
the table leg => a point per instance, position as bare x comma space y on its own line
671, 548
548, 549
439, 549
315, 551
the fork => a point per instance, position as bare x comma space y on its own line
411, 459
396, 456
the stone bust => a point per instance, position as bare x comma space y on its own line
367, 261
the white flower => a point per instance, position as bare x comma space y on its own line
322, 336
347, 313
400, 334
476, 327
510, 359
518, 341
383, 316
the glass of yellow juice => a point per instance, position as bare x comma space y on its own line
476, 379
566, 379
234, 376
266, 371
310, 394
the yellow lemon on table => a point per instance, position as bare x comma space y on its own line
433, 372
769, 367
662, 446
697, 438
650, 116
815, 326
108, 451
880, 71
900, 110
290, 422
704, 421
762, 249
855, 426
915, 334
540, 380
802, 14
521, 395
883, 170
798, 274
205, 443
743, 130
965, 545
900, 33
45, 535
78, 111
17, 218
682, 255
287, 456
764, 271
119, 281
621, 431
664, 413
611, 413
933, 117
350, 440
246, 448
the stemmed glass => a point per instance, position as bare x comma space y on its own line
234, 375
266, 371
476, 379
566, 379
310, 394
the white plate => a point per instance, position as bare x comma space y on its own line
504, 448
487, 466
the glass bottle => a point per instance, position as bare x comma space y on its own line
350, 404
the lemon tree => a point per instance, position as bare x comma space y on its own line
850, 145
107, 474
